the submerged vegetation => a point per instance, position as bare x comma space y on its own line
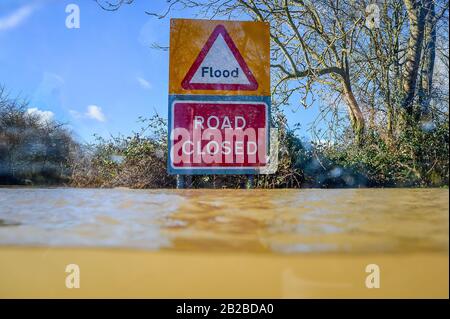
34, 150
139, 161
378, 74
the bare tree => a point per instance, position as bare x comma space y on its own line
325, 47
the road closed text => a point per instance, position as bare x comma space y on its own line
223, 134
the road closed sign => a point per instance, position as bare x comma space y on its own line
219, 97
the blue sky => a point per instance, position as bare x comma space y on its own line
99, 78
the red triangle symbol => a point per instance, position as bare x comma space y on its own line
219, 66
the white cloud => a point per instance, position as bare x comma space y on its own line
16, 18
95, 112
144, 83
44, 116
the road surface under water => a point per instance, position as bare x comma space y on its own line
224, 243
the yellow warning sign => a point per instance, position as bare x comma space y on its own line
219, 57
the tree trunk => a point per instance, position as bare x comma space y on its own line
416, 15
429, 56
356, 116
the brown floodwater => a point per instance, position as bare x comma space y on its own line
224, 243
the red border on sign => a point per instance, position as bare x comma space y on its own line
220, 29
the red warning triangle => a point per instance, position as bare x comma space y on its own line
219, 66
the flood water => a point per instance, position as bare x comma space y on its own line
224, 243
